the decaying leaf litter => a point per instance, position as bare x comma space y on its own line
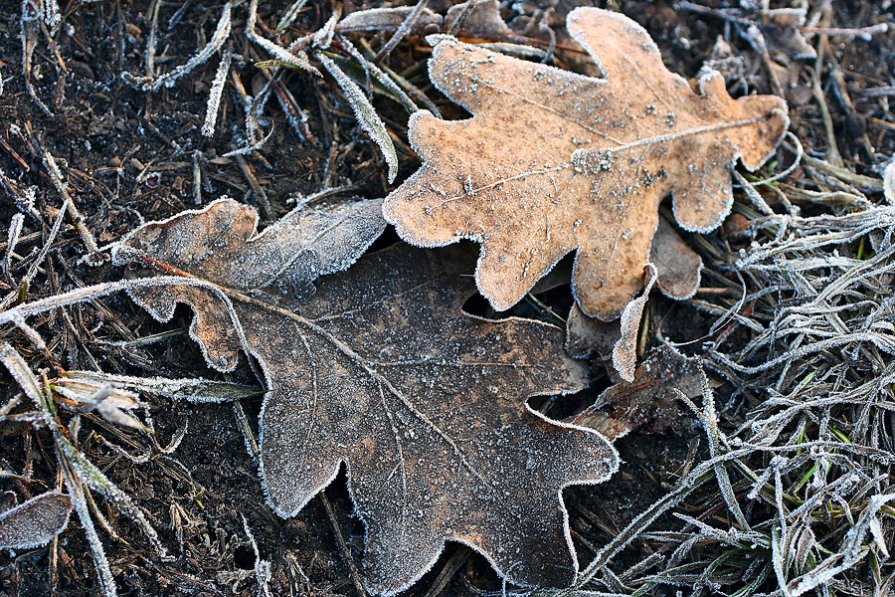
843, 550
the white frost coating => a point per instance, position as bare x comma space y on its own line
214, 97
52, 15
439, 38
35, 522
323, 37
12, 239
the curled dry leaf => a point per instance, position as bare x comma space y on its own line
553, 162
380, 369
35, 522
649, 398
113, 404
624, 353
478, 19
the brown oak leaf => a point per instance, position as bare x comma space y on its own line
553, 162
380, 369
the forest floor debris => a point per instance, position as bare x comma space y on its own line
776, 477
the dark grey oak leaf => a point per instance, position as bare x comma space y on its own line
381, 370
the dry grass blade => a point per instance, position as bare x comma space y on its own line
214, 96
100, 561
403, 30
12, 239
195, 390
290, 15
366, 114
218, 38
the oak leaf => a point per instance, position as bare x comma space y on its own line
380, 369
678, 272
553, 162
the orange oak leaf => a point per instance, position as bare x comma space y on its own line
378, 368
553, 162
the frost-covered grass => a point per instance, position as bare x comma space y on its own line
799, 498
